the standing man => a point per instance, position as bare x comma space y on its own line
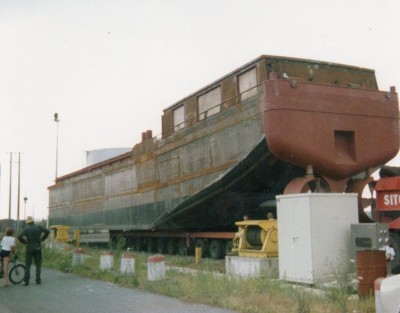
32, 236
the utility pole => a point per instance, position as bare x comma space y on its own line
9, 194
19, 188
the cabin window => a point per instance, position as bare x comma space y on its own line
247, 84
178, 115
209, 103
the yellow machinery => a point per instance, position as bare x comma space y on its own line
61, 234
256, 238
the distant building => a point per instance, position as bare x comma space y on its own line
99, 155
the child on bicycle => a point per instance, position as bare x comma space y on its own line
8, 245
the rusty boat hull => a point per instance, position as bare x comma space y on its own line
340, 131
205, 173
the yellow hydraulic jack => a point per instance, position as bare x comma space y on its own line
256, 238
60, 233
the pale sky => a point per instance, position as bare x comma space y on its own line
109, 68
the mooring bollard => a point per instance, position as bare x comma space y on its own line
128, 263
198, 255
106, 260
78, 257
155, 267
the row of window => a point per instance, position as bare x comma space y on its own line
209, 103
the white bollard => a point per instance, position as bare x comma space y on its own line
128, 263
78, 257
106, 261
155, 267
387, 299
378, 301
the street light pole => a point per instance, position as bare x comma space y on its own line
56, 120
9, 193
25, 199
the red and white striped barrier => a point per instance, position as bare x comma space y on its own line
155, 267
106, 261
128, 263
78, 257
387, 294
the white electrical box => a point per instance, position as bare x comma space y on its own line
314, 235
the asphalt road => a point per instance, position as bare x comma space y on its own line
67, 293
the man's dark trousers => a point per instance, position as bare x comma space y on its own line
37, 257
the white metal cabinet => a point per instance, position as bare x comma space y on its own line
314, 234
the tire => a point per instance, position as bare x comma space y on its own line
144, 245
172, 246
137, 244
113, 241
182, 248
162, 245
152, 245
17, 274
216, 249
395, 242
130, 243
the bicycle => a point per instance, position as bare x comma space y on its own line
16, 270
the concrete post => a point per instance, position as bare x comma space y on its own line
106, 261
78, 257
155, 267
128, 263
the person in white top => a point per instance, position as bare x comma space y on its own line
8, 245
390, 254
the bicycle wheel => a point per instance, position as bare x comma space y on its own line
17, 273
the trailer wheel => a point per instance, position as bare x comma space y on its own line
162, 245
395, 242
216, 249
152, 244
144, 244
113, 241
182, 248
130, 243
137, 244
172, 246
